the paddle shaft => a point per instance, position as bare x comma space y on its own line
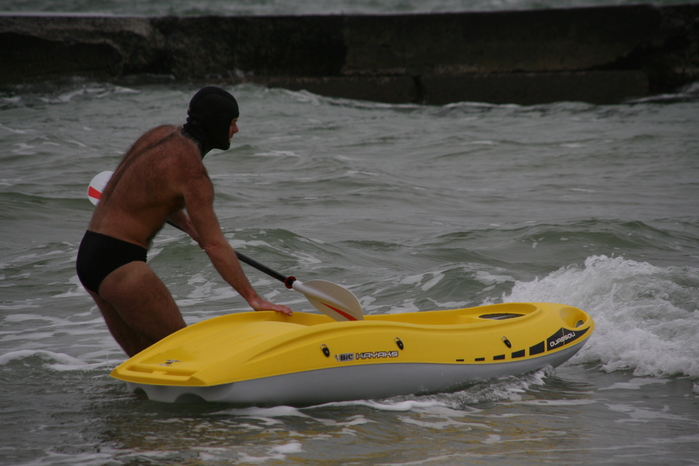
321, 301
287, 281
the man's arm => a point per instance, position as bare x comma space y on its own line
199, 195
182, 221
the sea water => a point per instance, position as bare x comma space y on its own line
299, 7
413, 208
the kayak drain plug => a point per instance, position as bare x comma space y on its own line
399, 343
326, 350
507, 342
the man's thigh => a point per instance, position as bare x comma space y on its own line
142, 300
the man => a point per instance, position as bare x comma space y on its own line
160, 176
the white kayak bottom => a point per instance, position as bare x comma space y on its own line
368, 381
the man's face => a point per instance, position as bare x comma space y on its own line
233, 129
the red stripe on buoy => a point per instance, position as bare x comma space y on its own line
93, 193
342, 313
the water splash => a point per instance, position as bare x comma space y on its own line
647, 316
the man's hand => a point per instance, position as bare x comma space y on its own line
259, 304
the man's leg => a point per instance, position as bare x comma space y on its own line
129, 340
137, 307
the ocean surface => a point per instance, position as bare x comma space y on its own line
413, 208
298, 7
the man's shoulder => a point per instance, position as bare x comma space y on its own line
152, 139
166, 148
171, 140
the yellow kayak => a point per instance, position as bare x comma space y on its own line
266, 358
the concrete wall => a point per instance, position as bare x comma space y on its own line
599, 55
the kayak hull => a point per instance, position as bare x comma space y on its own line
348, 383
308, 359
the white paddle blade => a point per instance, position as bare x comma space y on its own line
97, 185
331, 299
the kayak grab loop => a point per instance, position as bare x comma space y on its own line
399, 343
326, 350
507, 342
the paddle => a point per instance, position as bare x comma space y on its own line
329, 298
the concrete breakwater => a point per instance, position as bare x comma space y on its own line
598, 55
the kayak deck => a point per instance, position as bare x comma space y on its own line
268, 358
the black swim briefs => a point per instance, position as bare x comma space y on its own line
99, 255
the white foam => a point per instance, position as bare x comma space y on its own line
293, 447
435, 424
305, 259
483, 143
265, 413
54, 361
77, 289
388, 405
634, 384
277, 153
408, 305
15, 318
105, 455
240, 244
269, 416
557, 402
638, 414
205, 290
16, 307
643, 313
449, 304
490, 279
435, 277
504, 389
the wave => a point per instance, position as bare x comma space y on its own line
280, 7
647, 317
51, 360
59, 91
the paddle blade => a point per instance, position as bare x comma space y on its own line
97, 185
331, 299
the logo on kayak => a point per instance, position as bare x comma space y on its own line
562, 340
377, 355
347, 357
170, 362
344, 357
564, 336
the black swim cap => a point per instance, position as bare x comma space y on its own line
210, 113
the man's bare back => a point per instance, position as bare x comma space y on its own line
147, 186
161, 177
